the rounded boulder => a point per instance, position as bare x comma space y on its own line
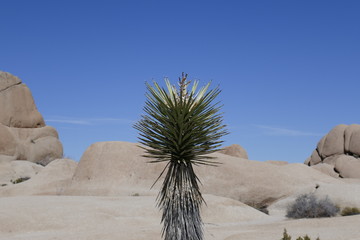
235, 150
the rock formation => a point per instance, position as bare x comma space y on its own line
17, 107
36, 179
338, 152
118, 168
235, 150
23, 133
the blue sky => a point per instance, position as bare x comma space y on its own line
289, 70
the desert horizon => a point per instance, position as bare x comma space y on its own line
185, 120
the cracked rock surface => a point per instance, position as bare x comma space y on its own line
338, 152
17, 106
23, 133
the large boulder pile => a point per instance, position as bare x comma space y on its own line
23, 133
338, 152
118, 168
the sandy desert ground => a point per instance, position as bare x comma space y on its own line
135, 218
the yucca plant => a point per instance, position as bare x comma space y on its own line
181, 127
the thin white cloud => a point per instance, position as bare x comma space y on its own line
69, 121
115, 120
88, 121
277, 131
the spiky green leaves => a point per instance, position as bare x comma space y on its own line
181, 127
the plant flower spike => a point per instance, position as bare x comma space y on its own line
181, 127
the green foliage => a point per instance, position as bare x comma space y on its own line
308, 206
306, 237
286, 236
181, 127
20, 180
349, 211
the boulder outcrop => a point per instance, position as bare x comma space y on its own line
36, 179
12, 171
235, 150
17, 106
118, 168
340, 151
23, 133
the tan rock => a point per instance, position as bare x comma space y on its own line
342, 141
326, 169
331, 160
12, 170
320, 146
352, 141
342, 194
49, 180
7, 80
44, 150
7, 141
23, 134
258, 183
225, 210
117, 168
276, 162
235, 150
32, 134
109, 168
348, 166
6, 159
38, 145
354, 145
17, 107
333, 142
314, 158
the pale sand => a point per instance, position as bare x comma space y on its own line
136, 217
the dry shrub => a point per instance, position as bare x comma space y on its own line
308, 206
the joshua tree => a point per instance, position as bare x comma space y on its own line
181, 127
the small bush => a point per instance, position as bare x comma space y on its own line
348, 211
286, 236
306, 237
20, 180
308, 206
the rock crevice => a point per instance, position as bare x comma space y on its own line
4, 89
